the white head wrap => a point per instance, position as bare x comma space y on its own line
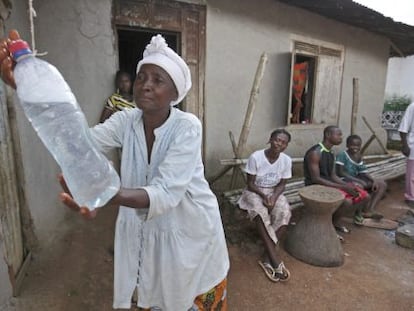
158, 53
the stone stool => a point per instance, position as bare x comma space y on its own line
314, 239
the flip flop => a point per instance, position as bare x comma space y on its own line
386, 224
359, 220
269, 271
283, 272
373, 215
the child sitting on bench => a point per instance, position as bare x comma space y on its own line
350, 166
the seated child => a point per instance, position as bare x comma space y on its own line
267, 172
350, 166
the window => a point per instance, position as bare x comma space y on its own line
316, 76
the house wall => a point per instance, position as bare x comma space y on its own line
236, 37
5, 286
80, 41
78, 38
400, 77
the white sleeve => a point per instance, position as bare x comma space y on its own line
287, 172
108, 135
251, 165
176, 171
407, 120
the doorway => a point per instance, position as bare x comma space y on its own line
132, 43
182, 24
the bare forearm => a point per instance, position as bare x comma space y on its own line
253, 188
278, 190
327, 182
405, 148
135, 198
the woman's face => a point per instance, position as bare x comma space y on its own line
153, 89
279, 142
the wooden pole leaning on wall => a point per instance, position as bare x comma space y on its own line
251, 106
249, 116
355, 103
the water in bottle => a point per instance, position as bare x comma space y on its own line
54, 113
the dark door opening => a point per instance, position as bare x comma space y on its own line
132, 42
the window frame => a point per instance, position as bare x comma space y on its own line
317, 49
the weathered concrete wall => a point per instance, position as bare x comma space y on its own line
236, 37
5, 286
400, 77
80, 41
78, 38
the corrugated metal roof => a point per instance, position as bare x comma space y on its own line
355, 14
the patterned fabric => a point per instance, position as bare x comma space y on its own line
362, 194
214, 300
278, 217
351, 167
117, 103
300, 76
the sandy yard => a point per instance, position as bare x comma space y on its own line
76, 271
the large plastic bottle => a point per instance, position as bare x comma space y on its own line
54, 113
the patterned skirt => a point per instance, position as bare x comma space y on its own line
214, 300
278, 217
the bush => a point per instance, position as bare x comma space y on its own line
397, 103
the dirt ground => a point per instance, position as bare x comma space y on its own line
76, 271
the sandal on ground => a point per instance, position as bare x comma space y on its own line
373, 215
358, 220
342, 229
282, 272
269, 271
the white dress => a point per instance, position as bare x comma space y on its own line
175, 250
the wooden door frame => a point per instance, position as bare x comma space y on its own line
187, 19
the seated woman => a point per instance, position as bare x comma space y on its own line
122, 98
267, 172
350, 166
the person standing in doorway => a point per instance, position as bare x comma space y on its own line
122, 98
